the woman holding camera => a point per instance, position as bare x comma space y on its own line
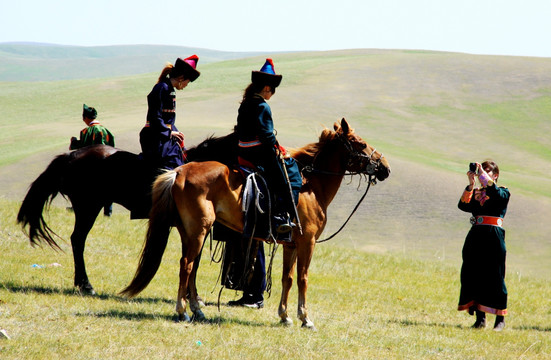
483, 287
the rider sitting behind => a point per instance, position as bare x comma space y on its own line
94, 133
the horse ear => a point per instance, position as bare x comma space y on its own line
336, 126
345, 127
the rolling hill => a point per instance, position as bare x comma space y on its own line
431, 113
47, 62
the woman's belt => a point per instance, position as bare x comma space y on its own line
487, 220
247, 144
167, 125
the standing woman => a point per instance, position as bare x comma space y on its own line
483, 287
162, 143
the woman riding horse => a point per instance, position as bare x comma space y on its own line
162, 143
259, 148
193, 196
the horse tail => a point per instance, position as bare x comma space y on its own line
40, 195
161, 219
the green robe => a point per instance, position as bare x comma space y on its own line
93, 134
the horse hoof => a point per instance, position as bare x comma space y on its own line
184, 318
286, 322
309, 325
198, 316
86, 290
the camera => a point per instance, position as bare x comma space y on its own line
472, 167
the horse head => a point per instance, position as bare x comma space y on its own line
362, 157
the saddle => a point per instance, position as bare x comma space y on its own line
257, 207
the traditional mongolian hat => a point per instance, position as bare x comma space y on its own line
89, 112
186, 67
266, 75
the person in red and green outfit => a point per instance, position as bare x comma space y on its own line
93, 134
483, 287
161, 141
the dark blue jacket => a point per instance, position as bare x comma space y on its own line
157, 144
257, 145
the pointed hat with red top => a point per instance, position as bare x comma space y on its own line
186, 67
266, 75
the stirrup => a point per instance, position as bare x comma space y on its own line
286, 227
282, 223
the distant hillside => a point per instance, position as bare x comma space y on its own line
431, 113
46, 62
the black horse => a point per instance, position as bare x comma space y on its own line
118, 176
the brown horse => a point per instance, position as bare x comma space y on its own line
194, 195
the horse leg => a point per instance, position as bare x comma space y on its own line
182, 290
192, 280
289, 261
304, 257
84, 220
194, 303
187, 278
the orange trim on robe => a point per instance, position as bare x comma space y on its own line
467, 196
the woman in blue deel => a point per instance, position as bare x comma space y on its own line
162, 143
259, 148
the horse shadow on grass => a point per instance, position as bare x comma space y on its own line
141, 315
216, 320
49, 290
124, 314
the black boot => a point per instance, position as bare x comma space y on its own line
282, 223
249, 300
500, 323
480, 322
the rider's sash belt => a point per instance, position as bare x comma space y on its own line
247, 144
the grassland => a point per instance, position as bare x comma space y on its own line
387, 287
365, 306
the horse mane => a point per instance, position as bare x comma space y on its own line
224, 149
306, 155
218, 148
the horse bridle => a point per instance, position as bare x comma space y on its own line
359, 157
354, 157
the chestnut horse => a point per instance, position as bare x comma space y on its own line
194, 195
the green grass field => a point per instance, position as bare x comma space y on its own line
386, 287
365, 306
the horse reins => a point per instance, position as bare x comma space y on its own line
370, 170
371, 181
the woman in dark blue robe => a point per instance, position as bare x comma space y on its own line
161, 141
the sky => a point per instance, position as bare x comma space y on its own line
496, 27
